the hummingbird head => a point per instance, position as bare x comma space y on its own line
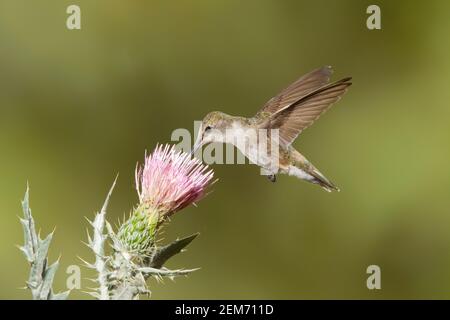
212, 129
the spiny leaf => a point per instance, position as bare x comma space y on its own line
38, 266
165, 272
26, 204
26, 251
29, 218
48, 280
164, 253
96, 243
27, 237
36, 250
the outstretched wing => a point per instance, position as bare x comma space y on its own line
300, 88
293, 118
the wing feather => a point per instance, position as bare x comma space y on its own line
300, 88
293, 118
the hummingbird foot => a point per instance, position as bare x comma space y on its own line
272, 178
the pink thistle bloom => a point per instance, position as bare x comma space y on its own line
171, 180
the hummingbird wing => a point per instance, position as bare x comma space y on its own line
307, 83
292, 119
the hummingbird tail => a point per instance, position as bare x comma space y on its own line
311, 174
303, 169
322, 181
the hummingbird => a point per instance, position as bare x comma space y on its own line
290, 112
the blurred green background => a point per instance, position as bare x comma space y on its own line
77, 107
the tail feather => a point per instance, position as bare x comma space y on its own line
312, 175
303, 169
322, 181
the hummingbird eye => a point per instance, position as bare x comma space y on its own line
207, 128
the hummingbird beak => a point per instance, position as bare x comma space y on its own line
198, 144
194, 149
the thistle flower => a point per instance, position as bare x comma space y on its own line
171, 180
168, 181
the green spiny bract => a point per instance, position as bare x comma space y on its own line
138, 234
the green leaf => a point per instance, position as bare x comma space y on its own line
162, 254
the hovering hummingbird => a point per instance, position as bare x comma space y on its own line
291, 111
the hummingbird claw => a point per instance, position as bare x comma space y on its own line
272, 178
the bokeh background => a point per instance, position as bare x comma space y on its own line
78, 107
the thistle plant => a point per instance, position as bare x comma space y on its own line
167, 182
40, 280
